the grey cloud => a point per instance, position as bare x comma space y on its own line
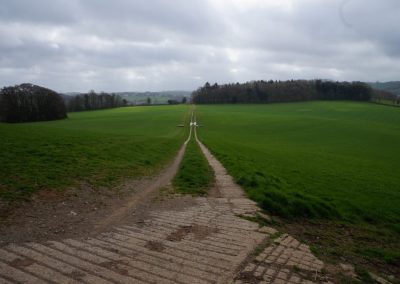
376, 21
77, 45
155, 20
48, 11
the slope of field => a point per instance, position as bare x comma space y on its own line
98, 147
338, 160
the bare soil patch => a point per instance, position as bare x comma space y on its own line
155, 245
114, 265
77, 275
214, 192
199, 232
22, 262
179, 234
87, 211
84, 212
58, 215
248, 277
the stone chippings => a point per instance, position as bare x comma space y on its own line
206, 243
285, 260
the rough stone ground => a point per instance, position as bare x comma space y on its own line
203, 242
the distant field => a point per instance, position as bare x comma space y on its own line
98, 147
335, 160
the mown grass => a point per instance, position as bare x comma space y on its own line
195, 175
313, 160
98, 147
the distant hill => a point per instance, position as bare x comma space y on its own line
156, 97
392, 86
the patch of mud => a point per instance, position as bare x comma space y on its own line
86, 211
198, 232
57, 215
201, 232
248, 277
114, 265
22, 262
214, 192
179, 234
76, 274
173, 203
155, 246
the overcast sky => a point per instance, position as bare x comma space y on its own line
127, 45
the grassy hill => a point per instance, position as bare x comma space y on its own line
392, 87
342, 154
98, 147
332, 161
156, 97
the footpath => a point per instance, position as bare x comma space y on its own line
211, 241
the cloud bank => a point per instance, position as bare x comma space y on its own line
77, 45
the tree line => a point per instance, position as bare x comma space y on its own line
281, 91
93, 101
28, 102
385, 97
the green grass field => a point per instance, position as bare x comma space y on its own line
331, 169
195, 175
336, 160
98, 147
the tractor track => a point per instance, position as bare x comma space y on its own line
179, 240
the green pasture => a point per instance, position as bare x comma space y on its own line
335, 160
97, 147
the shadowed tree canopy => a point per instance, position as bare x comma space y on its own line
281, 91
28, 102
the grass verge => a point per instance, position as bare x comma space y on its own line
195, 175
